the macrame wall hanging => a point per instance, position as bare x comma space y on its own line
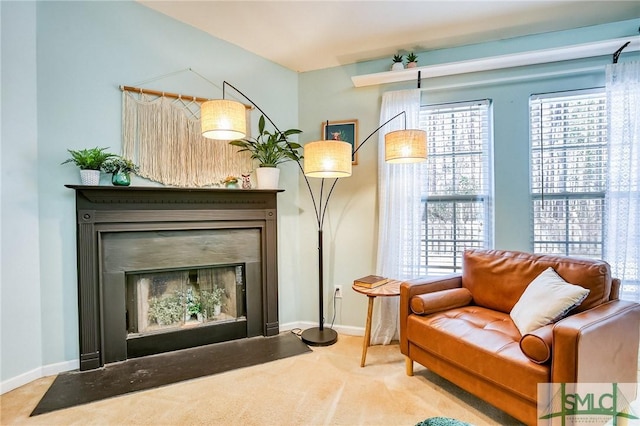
161, 134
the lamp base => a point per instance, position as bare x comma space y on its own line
316, 337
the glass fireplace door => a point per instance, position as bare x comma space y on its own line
164, 301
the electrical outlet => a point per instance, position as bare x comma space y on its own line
337, 291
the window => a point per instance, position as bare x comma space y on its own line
458, 212
568, 172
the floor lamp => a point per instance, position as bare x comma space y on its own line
225, 119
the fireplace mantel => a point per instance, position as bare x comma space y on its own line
107, 209
206, 197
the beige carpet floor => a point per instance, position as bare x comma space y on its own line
323, 387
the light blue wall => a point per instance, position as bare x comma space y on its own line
20, 310
329, 95
87, 49
76, 54
62, 63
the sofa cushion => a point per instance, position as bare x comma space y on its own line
547, 299
481, 341
497, 278
537, 344
440, 300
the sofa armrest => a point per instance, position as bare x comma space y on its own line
615, 289
438, 301
411, 288
538, 344
597, 346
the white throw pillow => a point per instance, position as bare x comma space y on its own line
547, 299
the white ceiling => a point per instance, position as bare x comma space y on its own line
308, 35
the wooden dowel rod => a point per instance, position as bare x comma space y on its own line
167, 94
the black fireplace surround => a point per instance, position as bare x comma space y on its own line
133, 230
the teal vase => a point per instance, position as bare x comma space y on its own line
121, 178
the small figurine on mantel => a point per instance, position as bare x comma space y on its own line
230, 182
246, 182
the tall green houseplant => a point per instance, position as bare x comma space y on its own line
270, 149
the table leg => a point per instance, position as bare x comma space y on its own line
367, 331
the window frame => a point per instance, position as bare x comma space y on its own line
484, 195
598, 95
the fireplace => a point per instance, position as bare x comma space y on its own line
162, 269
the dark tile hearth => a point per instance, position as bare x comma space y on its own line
81, 387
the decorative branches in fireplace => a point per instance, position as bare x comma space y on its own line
172, 299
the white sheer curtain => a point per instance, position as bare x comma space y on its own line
622, 199
400, 213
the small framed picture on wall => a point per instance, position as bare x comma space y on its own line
344, 130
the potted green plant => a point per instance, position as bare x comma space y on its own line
270, 149
120, 168
211, 301
193, 305
89, 162
397, 63
165, 311
412, 60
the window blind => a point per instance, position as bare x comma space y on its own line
458, 211
568, 139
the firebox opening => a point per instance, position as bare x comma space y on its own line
177, 299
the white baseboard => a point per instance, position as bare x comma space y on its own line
60, 367
341, 329
52, 369
44, 371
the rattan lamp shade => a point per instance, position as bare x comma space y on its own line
405, 146
327, 159
223, 119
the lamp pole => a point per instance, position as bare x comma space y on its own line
320, 336
317, 336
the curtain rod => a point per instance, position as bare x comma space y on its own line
168, 94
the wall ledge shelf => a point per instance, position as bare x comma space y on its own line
543, 56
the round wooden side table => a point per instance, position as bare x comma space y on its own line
391, 288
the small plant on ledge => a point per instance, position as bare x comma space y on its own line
412, 60
397, 63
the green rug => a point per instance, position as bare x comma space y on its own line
442, 421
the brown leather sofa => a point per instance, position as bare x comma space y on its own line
460, 327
